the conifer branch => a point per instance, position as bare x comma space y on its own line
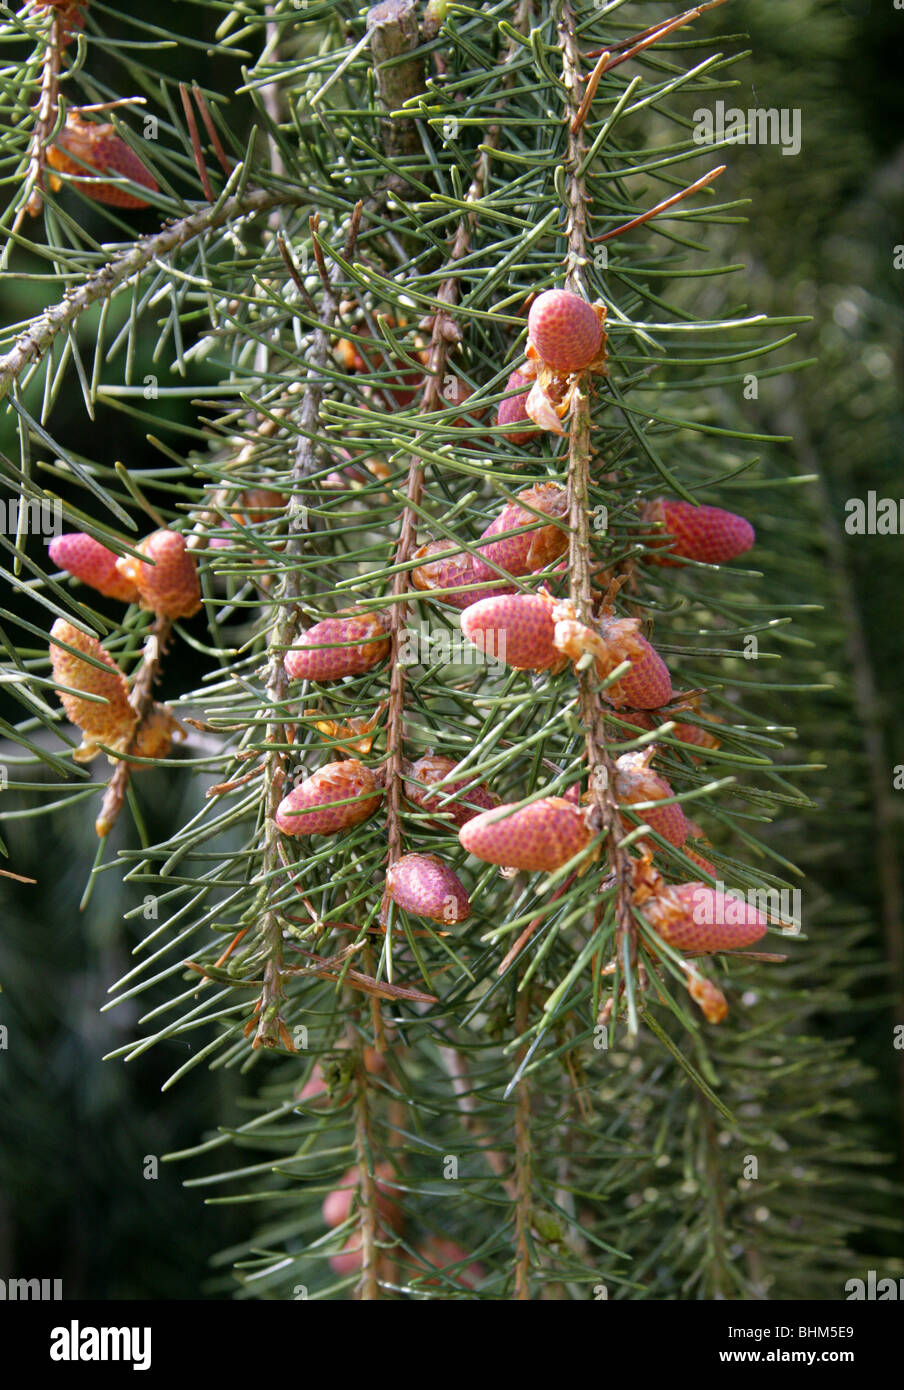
46, 117
579, 558
369, 1284
392, 27
523, 1159
102, 284
285, 626
141, 698
444, 334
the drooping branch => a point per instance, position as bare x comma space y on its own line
523, 1162
269, 1032
599, 760
141, 698
444, 335
369, 1284
46, 117
392, 27
31, 345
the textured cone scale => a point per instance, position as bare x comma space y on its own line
699, 860
707, 534
517, 629
513, 410
635, 781
101, 149
696, 736
444, 568
169, 586
540, 837
305, 811
565, 330
361, 643
648, 684
113, 723
426, 887
86, 559
155, 737
535, 549
695, 917
432, 768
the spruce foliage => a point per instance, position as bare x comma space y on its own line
527, 1104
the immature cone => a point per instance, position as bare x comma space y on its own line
699, 860
103, 151
539, 837
636, 781
707, 534
399, 384
337, 1205
696, 736
565, 330
648, 684
693, 734
86, 559
514, 409
433, 768
517, 629
426, 887
112, 723
535, 549
169, 585
445, 568
305, 810
336, 647
695, 917
253, 505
